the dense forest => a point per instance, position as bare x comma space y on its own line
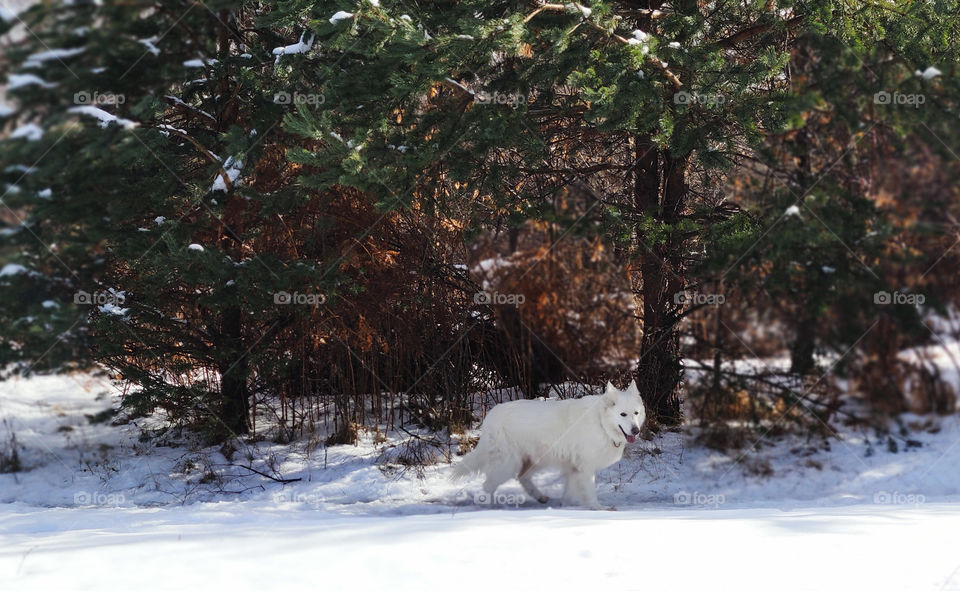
383, 214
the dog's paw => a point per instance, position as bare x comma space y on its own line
543, 500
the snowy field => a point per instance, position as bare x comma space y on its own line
95, 507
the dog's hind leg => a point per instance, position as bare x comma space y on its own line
526, 480
498, 473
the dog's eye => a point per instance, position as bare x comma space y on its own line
636, 412
623, 414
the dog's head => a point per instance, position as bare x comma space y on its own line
623, 411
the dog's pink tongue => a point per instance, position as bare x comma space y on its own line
631, 438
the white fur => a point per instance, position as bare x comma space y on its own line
578, 437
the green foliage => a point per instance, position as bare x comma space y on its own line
472, 110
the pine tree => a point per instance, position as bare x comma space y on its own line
160, 151
147, 195
649, 104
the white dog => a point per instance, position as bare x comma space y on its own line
578, 437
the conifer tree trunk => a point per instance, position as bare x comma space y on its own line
233, 367
660, 192
803, 346
235, 401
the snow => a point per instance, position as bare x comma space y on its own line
113, 309
195, 247
200, 63
21, 80
28, 131
792, 210
150, 44
299, 47
97, 507
37, 59
12, 269
573, 7
929, 73
7, 15
181, 103
638, 37
340, 15
460, 86
6, 110
229, 546
232, 167
104, 117
159, 220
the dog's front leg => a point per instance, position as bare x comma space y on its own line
571, 496
580, 490
590, 492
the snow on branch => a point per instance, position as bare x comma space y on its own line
295, 48
104, 117
585, 13
228, 176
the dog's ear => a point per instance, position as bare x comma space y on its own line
632, 388
610, 396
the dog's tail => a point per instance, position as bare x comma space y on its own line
471, 464
478, 459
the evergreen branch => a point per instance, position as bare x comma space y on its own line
210, 155
653, 60
751, 32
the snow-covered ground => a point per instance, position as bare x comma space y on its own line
98, 506
234, 545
